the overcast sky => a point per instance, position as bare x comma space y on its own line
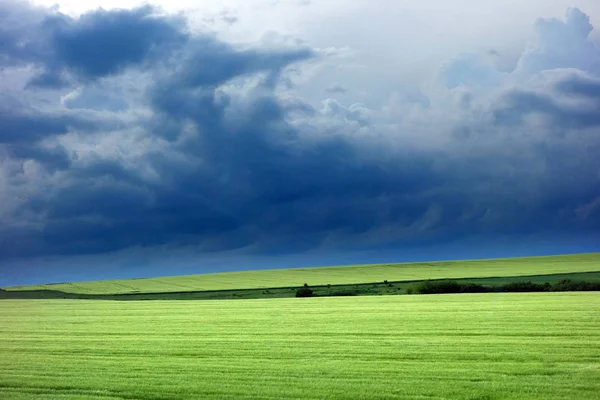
185, 136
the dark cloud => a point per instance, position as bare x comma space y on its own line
102, 43
97, 44
21, 40
210, 63
18, 125
53, 158
578, 84
179, 139
21, 123
552, 106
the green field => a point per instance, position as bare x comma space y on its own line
471, 346
359, 289
336, 275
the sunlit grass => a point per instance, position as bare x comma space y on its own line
483, 346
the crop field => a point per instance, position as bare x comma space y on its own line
360, 289
467, 346
512, 267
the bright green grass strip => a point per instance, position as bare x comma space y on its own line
480, 346
337, 275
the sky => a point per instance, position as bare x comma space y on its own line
145, 139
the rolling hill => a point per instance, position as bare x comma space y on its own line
356, 274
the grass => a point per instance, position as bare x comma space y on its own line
348, 275
470, 346
362, 289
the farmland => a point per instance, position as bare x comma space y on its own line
512, 267
266, 345
359, 289
468, 346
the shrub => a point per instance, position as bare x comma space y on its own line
567, 285
304, 291
431, 287
440, 287
525, 287
385, 281
564, 285
591, 286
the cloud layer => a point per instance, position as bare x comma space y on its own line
126, 129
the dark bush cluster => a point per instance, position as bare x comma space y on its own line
567, 285
440, 287
304, 291
526, 287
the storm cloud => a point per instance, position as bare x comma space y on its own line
127, 129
